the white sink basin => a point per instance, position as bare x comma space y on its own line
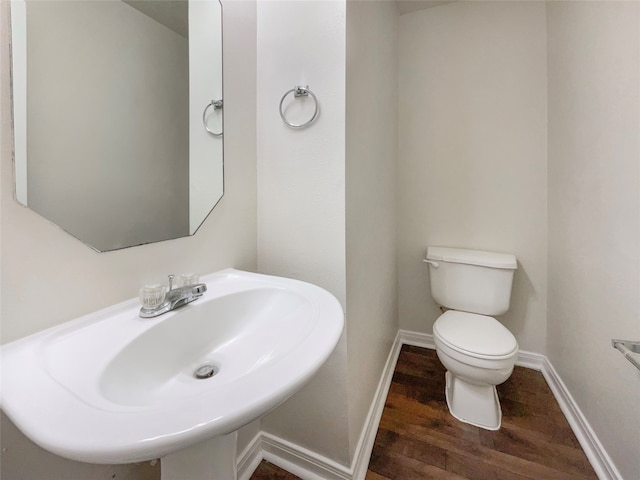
112, 387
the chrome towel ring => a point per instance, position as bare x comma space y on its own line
217, 105
299, 91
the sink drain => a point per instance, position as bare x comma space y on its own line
205, 371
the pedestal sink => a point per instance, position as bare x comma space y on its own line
112, 387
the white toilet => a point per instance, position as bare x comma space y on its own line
477, 350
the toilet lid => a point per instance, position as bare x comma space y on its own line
475, 334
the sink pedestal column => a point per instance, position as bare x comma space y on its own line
213, 459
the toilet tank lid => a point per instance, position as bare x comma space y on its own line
472, 257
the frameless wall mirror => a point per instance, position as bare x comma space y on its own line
115, 140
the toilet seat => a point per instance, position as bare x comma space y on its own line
477, 336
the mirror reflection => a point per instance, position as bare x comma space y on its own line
111, 139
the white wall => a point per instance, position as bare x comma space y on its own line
48, 277
594, 214
472, 168
371, 142
301, 194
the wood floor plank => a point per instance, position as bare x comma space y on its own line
473, 451
535, 441
470, 467
521, 415
419, 439
268, 471
411, 448
524, 444
375, 476
396, 466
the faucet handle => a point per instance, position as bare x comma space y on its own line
152, 296
185, 279
171, 277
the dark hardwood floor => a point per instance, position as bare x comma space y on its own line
419, 439
268, 471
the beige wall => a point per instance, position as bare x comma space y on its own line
371, 141
472, 168
301, 191
594, 214
108, 129
326, 196
48, 277
473, 171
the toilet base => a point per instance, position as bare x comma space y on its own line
477, 405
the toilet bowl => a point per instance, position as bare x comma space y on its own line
478, 353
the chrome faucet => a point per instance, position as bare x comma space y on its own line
175, 298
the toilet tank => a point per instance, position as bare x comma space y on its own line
471, 280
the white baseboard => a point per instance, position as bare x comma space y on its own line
370, 429
300, 461
425, 340
293, 458
593, 449
531, 360
417, 339
309, 465
250, 458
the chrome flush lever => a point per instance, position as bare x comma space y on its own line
431, 262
